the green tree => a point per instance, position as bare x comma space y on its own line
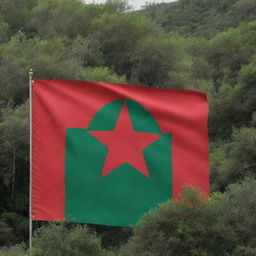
13, 228
201, 17
103, 74
153, 59
194, 225
56, 239
17, 13
118, 35
238, 159
4, 30
244, 94
239, 216
186, 227
14, 138
69, 18
50, 59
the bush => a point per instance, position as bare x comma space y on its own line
17, 250
224, 224
57, 240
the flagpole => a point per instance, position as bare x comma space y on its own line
30, 74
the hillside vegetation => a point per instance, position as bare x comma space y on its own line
201, 17
189, 44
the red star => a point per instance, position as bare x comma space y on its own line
124, 144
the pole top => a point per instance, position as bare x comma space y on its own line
30, 72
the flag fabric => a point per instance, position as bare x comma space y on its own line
108, 153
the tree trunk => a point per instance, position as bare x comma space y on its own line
13, 171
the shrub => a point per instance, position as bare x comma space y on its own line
224, 224
57, 240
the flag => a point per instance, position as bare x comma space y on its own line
108, 153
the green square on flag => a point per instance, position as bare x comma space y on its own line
137, 172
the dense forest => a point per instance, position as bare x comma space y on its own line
188, 44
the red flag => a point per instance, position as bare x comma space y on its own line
96, 142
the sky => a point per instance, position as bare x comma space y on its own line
135, 3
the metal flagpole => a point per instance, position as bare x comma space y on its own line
30, 74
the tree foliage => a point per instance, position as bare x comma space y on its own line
195, 226
188, 44
56, 239
201, 17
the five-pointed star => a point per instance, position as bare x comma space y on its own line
124, 144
